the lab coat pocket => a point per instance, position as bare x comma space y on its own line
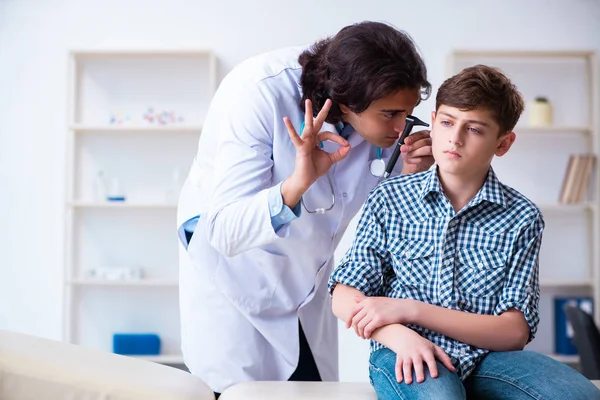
250, 279
480, 272
412, 261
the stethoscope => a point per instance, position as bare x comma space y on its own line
377, 167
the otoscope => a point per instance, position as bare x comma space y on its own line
411, 121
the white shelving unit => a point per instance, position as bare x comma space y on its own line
536, 165
137, 116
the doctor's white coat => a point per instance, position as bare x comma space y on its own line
243, 286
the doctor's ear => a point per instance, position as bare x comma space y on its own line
344, 109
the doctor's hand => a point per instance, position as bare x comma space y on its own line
371, 313
416, 153
413, 351
311, 161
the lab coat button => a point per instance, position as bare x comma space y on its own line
344, 194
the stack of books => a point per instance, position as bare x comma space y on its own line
577, 178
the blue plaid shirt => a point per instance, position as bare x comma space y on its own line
410, 244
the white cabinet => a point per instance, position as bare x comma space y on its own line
133, 127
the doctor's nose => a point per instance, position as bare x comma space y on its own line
399, 125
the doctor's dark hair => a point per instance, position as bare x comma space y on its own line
359, 65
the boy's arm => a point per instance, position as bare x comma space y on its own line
516, 315
367, 260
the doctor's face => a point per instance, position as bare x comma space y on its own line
383, 121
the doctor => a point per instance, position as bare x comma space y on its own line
293, 142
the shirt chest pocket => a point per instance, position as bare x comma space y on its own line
480, 272
412, 261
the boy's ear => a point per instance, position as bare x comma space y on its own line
344, 109
432, 118
504, 143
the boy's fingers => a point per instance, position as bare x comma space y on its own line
444, 358
407, 369
431, 364
398, 368
419, 372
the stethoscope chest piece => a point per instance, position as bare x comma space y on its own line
377, 167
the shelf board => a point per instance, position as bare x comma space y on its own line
565, 283
558, 207
137, 129
522, 53
115, 283
122, 204
563, 130
132, 53
162, 358
568, 359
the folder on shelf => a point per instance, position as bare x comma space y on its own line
577, 178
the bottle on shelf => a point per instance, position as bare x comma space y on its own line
540, 112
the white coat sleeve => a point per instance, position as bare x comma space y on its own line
242, 117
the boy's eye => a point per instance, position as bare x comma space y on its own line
445, 123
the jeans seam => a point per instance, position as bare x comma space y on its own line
389, 381
526, 391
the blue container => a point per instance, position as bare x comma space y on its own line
563, 338
136, 344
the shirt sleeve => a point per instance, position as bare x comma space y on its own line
281, 215
522, 287
365, 263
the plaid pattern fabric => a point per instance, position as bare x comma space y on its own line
410, 244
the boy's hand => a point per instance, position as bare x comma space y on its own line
413, 350
416, 153
371, 313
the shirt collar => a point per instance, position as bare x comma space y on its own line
491, 190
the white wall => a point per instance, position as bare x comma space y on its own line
36, 35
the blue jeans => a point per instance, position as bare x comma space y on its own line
511, 375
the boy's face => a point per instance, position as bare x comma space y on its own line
464, 142
383, 121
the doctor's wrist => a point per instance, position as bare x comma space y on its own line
291, 192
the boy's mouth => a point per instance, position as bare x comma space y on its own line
452, 153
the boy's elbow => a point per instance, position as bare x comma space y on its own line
336, 303
522, 338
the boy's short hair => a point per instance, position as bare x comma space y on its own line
486, 88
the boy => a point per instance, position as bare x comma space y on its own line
444, 267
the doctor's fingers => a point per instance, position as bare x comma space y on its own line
417, 136
318, 122
424, 151
296, 140
419, 144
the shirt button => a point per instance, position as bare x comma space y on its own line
463, 352
447, 263
446, 303
528, 290
281, 217
407, 253
480, 265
